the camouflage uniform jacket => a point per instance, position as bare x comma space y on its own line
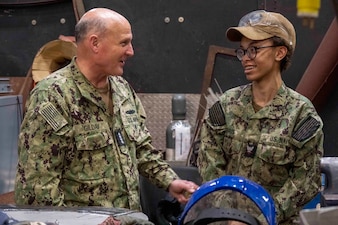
279, 147
72, 152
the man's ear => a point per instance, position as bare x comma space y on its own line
281, 52
94, 43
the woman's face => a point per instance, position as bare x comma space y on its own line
261, 65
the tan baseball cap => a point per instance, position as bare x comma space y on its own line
260, 25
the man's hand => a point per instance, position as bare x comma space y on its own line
182, 190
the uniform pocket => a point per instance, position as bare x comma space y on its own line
131, 124
274, 155
90, 158
272, 164
92, 136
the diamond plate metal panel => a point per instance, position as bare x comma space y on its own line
158, 109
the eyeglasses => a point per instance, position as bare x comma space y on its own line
251, 51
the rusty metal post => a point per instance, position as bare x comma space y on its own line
321, 74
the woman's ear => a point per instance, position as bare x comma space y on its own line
281, 52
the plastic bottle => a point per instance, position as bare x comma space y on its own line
178, 133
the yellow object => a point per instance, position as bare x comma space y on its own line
308, 10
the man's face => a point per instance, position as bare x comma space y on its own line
114, 49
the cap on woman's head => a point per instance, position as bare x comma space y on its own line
260, 25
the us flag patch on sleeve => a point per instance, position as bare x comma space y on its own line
216, 114
308, 127
52, 116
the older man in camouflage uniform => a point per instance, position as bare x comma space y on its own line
83, 141
265, 131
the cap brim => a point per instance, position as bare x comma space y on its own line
236, 34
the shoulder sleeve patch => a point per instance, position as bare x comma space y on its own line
216, 115
307, 128
52, 116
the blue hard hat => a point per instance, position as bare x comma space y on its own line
250, 189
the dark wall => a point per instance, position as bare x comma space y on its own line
169, 56
20, 39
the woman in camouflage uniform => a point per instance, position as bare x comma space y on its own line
264, 130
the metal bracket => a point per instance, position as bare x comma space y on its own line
214, 50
